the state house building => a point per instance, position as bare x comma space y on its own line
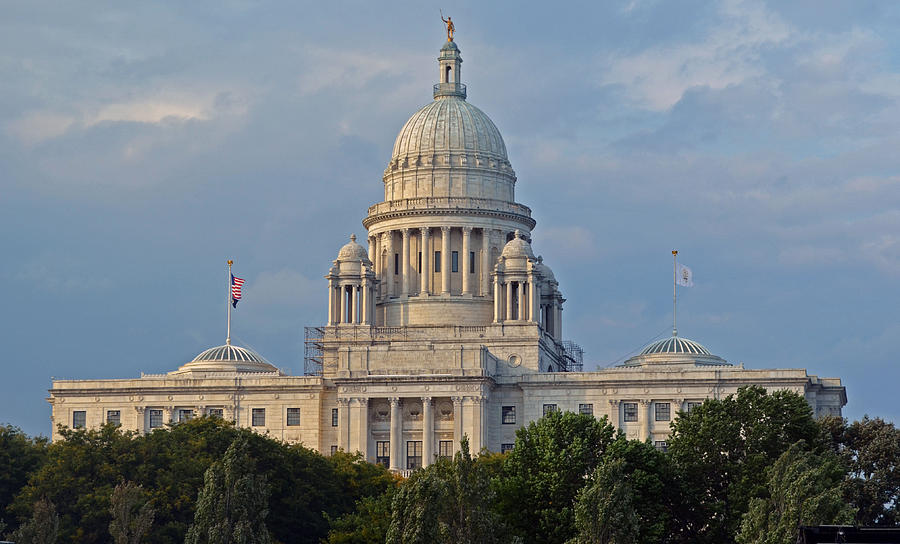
444, 324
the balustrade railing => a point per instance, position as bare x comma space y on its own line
444, 202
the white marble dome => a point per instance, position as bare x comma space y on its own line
352, 251
676, 350
517, 248
227, 358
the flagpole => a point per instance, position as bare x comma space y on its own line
674, 290
228, 305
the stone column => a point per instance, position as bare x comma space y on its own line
396, 433
557, 320
330, 301
427, 432
485, 262
364, 302
371, 241
644, 416
379, 268
509, 300
496, 299
477, 438
359, 426
168, 414
533, 303
521, 301
676, 407
344, 424
466, 243
457, 421
404, 264
426, 262
445, 260
354, 311
388, 243
614, 413
341, 307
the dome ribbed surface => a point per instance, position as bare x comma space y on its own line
675, 344
450, 125
518, 247
228, 354
353, 251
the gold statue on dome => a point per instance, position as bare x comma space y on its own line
450, 28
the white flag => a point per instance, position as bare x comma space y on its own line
685, 277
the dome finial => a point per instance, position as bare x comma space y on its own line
449, 81
353, 237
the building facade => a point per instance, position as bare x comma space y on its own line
446, 324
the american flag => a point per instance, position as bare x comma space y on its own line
236, 284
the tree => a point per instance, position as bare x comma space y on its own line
804, 488
870, 449
42, 528
604, 510
233, 504
368, 524
550, 462
132, 513
721, 450
20, 456
448, 502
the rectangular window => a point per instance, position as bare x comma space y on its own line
334, 417
396, 263
548, 408
383, 453
419, 263
445, 449
216, 412
454, 261
114, 417
258, 417
156, 419
414, 454
471, 262
293, 416
629, 411
587, 409
691, 406
508, 415
663, 411
79, 419
333, 450
505, 448
185, 415
661, 445
437, 261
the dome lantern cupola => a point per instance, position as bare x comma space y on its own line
450, 83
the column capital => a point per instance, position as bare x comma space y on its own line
362, 401
343, 402
645, 402
477, 400
445, 229
426, 401
140, 409
613, 402
405, 231
456, 400
467, 231
425, 230
395, 401
678, 402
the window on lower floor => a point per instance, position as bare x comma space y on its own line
114, 417
216, 412
508, 415
629, 411
691, 406
587, 409
293, 416
661, 445
454, 261
383, 453
258, 417
445, 449
419, 263
333, 450
504, 448
471, 262
79, 419
396, 263
185, 415
549, 408
663, 411
334, 417
437, 261
156, 419
414, 454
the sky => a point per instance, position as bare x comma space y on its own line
142, 144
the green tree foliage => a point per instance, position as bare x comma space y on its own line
870, 449
132, 514
234, 502
367, 524
722, 449
42, 528
20, 456
604, 510
551, 460
449, 502
804, 488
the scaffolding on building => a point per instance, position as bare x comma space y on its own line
574, 356
313, 351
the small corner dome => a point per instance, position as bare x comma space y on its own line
517, 248
450, 46
353, 251
544, 269
676, 350
227, 358
228, 353
675, 344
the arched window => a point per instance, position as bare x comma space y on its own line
447, 74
